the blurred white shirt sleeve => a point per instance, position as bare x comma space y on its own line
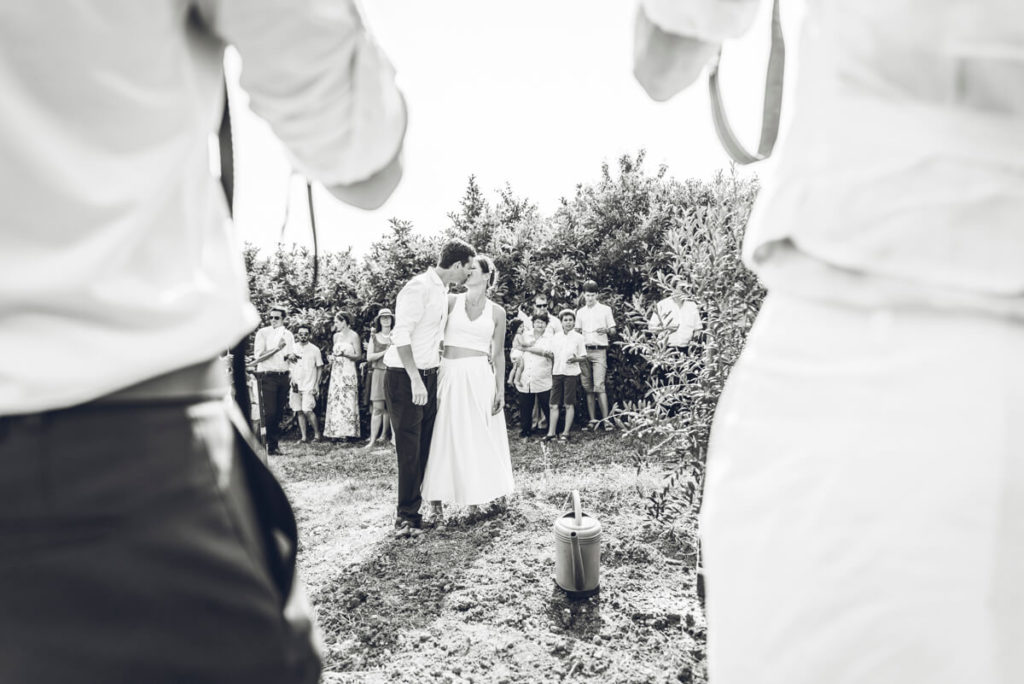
316, 75
674, 40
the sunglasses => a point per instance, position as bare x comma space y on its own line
541, 306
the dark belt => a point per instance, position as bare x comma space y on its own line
591, 347
206, 380
259, 373
423, 371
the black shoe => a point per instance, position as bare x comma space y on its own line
273, 451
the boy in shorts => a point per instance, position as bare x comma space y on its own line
568, 350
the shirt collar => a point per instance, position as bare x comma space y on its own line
434, 278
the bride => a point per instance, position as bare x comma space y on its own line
469, 462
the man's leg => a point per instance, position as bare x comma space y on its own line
303, 434
156, 488
599, 374
271, 408
591, 409
407, 422
427, 429
311, 416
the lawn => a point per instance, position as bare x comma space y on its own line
475, 601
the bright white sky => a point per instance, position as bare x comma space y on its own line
536, 93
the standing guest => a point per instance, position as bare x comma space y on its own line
380, 340
678, 316
863, 518
342, 419
534, 383
469, 461
542, 307
144, 541
306, 369
410, 382
273, 349
568, 352
597, 324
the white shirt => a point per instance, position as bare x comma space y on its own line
118, 263
269, 338
564, 345
590, 318
536, 375
685, 318
303, 371
421, 312
900, 178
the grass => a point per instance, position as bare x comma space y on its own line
475, 601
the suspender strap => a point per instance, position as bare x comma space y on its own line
771, 110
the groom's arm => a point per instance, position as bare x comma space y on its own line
409, 308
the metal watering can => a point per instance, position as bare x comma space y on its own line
577, 551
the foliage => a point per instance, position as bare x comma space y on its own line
640, 235
699, 261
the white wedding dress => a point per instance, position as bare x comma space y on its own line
469, 461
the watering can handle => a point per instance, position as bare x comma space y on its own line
576, 507
578, 576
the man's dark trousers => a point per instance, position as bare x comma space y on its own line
413, 427
274, 395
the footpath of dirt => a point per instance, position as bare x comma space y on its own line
476, 601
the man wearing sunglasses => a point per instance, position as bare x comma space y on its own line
274, 349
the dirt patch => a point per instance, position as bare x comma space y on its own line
475, 600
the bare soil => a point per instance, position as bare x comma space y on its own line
474, 600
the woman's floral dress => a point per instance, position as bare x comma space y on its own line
343, 394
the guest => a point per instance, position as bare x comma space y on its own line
568, 352
380, 340
534, 384
273, 349
469, 462
596, 322
342, 418
306, 369
541, 306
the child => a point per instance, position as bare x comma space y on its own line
516, 355
567, 351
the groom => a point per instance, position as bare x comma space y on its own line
410, 383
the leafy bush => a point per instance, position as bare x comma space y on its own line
631, 231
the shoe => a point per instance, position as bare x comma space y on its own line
274, 451
593, 425
563, 438
305, 441
403, 528
608, 427
548, 438
370, 444
434, 518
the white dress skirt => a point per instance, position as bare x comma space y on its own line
864, 508
469, 462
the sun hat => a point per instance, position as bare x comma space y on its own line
383, 312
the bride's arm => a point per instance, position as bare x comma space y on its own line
498, 358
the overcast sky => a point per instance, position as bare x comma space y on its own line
534, 93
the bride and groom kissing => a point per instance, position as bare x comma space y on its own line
447, 407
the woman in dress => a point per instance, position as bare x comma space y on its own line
380, 340
469, 462
343, 395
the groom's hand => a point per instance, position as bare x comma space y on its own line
419, 391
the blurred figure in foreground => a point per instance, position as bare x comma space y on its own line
864, 512
141, 539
